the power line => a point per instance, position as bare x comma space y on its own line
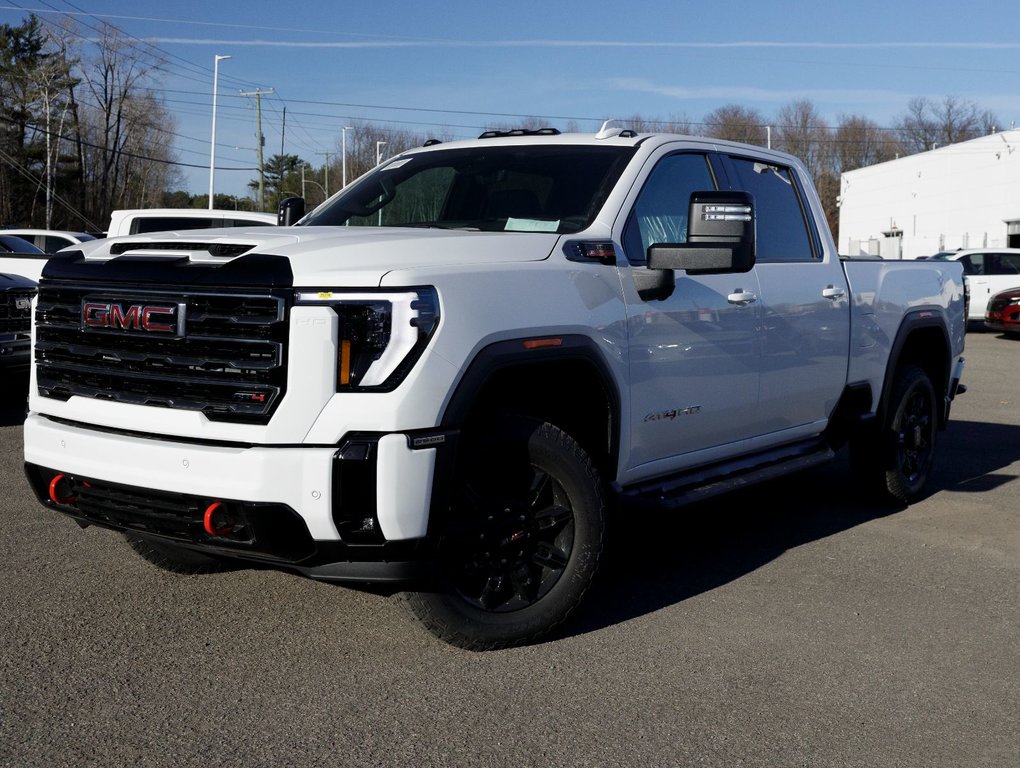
122, 152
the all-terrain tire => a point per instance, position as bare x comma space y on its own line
524, 541
897, 464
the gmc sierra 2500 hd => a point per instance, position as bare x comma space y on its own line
445, 375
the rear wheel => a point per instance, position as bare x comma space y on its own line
899, 464
173, 558
523, 543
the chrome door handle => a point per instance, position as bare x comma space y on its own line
832, 292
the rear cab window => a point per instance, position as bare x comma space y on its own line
783, 232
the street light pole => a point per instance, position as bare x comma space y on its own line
378, 155
212, 147
343, 149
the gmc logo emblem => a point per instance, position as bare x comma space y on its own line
163, 319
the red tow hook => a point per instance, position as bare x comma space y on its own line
55, 495
216, 522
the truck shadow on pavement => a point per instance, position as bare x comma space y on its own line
659, 558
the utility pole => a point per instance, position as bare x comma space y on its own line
261, 140
283, 130
283, 166
327, 154
343, 142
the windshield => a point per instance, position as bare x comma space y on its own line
522, 188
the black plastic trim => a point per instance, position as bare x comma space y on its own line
387, 562
700, 483
918, 319
511, 353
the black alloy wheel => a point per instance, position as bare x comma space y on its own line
523, 542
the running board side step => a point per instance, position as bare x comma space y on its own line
695, 485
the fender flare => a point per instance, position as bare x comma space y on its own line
914, 320
528, 351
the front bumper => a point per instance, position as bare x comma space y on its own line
359, 511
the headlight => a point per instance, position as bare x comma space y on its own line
380, 335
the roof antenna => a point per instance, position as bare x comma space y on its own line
609, 130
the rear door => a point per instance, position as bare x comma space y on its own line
804, 302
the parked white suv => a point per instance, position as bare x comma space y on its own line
987, 271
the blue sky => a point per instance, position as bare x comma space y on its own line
454, 67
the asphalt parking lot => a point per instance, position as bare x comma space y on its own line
790, 625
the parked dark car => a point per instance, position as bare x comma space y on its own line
1003, 313
16, 293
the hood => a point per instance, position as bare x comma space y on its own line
362, 255
15, 282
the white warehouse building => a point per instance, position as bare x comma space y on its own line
964, 195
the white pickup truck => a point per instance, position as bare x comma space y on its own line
445, 376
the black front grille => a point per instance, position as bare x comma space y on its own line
229, 362
16, 311
166, 514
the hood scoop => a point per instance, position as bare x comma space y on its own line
228, 250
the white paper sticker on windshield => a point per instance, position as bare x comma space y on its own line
530, 225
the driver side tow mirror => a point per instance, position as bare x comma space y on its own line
720, 236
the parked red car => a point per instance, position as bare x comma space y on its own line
1003, 312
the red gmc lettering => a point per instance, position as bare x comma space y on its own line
136, 317
149, 324
95, 315
119, 319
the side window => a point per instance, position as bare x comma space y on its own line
170, 223
660, 213
974, 264
52, 244
782, 232
1003, 264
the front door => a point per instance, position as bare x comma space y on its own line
694, 355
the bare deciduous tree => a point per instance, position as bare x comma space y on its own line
928, 124
736, 123
119, 115
801, 131
861, 142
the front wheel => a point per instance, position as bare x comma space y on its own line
899, 464
522, 544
